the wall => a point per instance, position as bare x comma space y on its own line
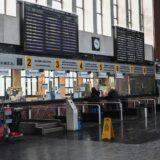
85, 44
9, 30
149, 55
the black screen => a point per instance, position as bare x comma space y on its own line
49, 31
128, 45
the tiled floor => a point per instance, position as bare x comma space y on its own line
135, 139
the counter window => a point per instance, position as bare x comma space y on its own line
5, 82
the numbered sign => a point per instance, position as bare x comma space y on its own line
117, 68
100, 67
29, 62
144, 70
132, 67
57, 64
81, 66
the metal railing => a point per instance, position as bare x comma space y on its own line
120, 107
111, 102
147, 102
135, 101
92, 104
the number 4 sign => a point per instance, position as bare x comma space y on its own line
81, 66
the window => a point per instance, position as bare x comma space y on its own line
88, 80
70, 82
80, 13
29, 84
51, 81
115, 12
57, 4
5, 82
2, 6
141, 16
129, 14
8, 7
99, 17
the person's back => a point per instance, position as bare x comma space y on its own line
113, 95
95, 95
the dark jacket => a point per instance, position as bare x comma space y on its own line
113, 95
95, 95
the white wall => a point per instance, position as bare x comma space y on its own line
122, 13
85, 44
149, 53
9, 30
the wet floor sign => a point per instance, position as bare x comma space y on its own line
108, 132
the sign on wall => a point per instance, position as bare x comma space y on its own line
48, 31
128, 45
12, 61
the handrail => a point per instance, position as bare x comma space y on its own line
110, 102
154, 101
120, 107
97, 105
132, 100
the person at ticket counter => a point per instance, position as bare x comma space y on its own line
113, 95
95, 95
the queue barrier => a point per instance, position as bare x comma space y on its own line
111, 102
146, 101
92, 104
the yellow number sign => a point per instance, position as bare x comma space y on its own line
117, 68
100, 67
132, 69
29, 62
81, 66
57, 64
144, 70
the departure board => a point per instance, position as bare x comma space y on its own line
48, 31
128, 45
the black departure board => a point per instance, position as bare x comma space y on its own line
128, 45
48, 31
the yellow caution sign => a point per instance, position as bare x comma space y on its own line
117, 68
29, 62
57, 64
108, 132
100, 67
144, 70
132, 67
81, 66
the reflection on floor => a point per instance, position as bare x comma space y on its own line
132, 131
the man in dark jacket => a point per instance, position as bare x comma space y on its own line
95, 95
